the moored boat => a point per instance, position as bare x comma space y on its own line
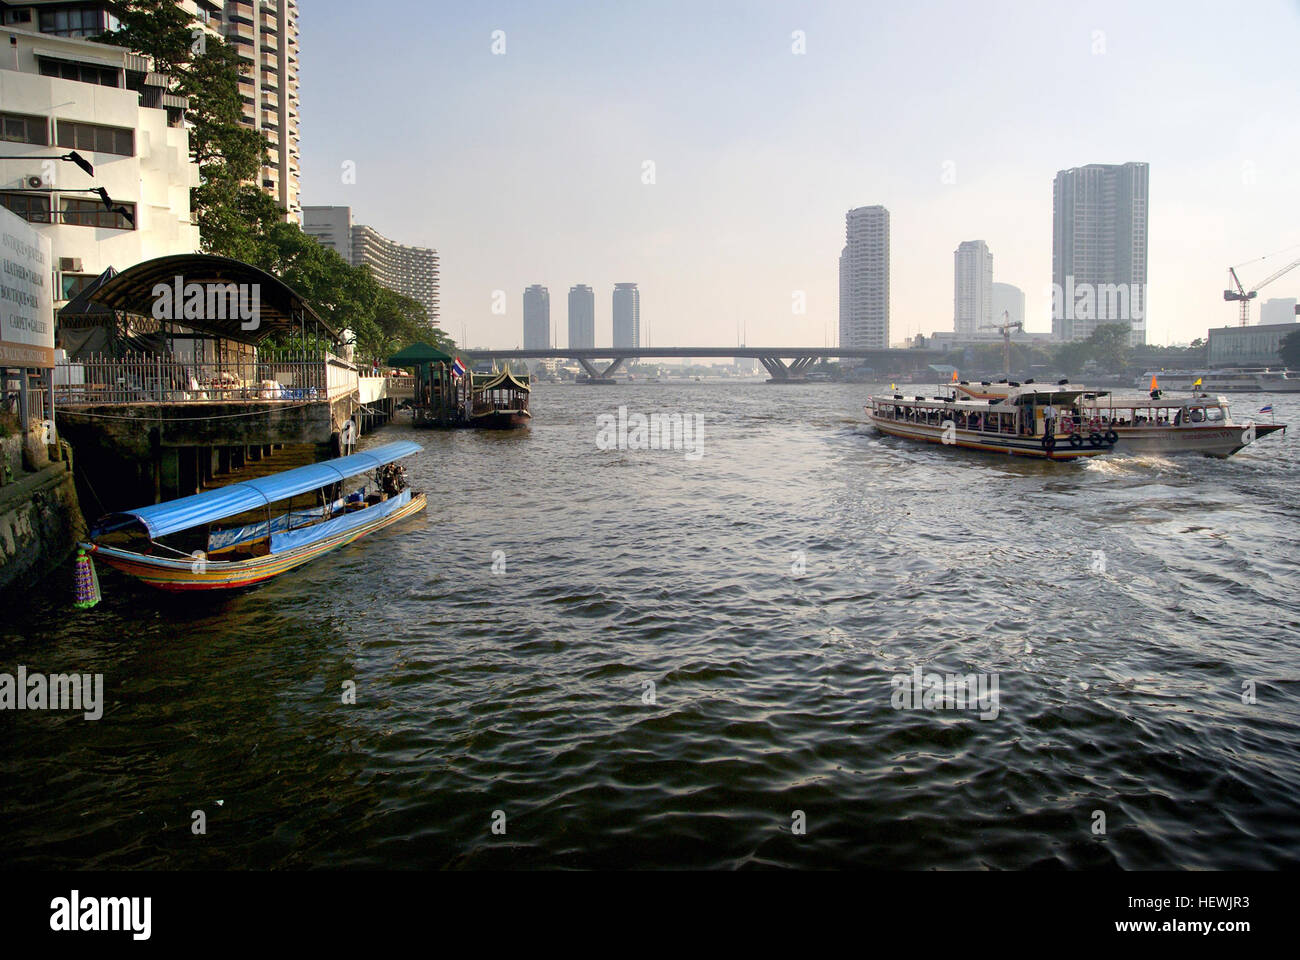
500, 402
248, 532
1027, 420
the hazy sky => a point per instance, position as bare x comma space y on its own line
528, 167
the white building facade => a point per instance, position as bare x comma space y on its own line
1008, 303
1278, 310
537, 317
972, 298
582, 316
627, 315
864, 279
62, 94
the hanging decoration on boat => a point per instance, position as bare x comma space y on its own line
87, 581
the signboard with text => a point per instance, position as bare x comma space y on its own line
26, 297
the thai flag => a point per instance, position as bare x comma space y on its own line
457, 368
1267, 408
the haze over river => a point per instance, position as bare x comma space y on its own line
1127, 607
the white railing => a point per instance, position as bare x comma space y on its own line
141, 378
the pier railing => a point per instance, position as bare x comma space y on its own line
142, 378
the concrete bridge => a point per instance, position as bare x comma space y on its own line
783, 364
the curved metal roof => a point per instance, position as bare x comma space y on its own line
160, 519
279, 306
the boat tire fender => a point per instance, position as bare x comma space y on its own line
1076, 440
1112, 437
1049, 441
1095, 439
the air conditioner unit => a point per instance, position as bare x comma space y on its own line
35, 183
70, 264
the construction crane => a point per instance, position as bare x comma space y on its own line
1243, 296
1006, 326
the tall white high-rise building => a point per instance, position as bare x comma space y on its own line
1008, 300
1278, 310
537, 317
864, 279
1099, 250
972, 297
410, 271
582, 316
627, 315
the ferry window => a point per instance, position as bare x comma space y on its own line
21, 128
1213, 414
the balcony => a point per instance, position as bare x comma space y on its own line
142, 378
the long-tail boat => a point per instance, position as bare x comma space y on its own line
500, 401
248, 532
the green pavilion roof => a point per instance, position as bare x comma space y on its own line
418, 353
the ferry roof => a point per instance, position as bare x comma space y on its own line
160, 519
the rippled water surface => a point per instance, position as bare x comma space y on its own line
1120, 672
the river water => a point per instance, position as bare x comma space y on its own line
643, 658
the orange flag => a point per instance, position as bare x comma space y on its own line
954, 376
1154, 385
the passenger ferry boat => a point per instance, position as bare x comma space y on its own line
248, 532
1160, 424
1228, 380
1025, 420
1155, 423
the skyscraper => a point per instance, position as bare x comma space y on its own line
537, 317
265, 36
1010, 300
627, 315
972, 298
582, 316
864, 279
1099, 250
410, 271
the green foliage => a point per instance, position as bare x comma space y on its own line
1289, 349
1108, 345
346, 297
228, 205
1071, 357
235, 217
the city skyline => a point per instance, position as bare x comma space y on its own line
758, 151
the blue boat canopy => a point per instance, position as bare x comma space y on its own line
160, 519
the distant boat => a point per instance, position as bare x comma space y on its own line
248, 532
1228, 380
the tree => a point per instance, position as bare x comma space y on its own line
1071, 357
1108, 345
228, 205
1289, 349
